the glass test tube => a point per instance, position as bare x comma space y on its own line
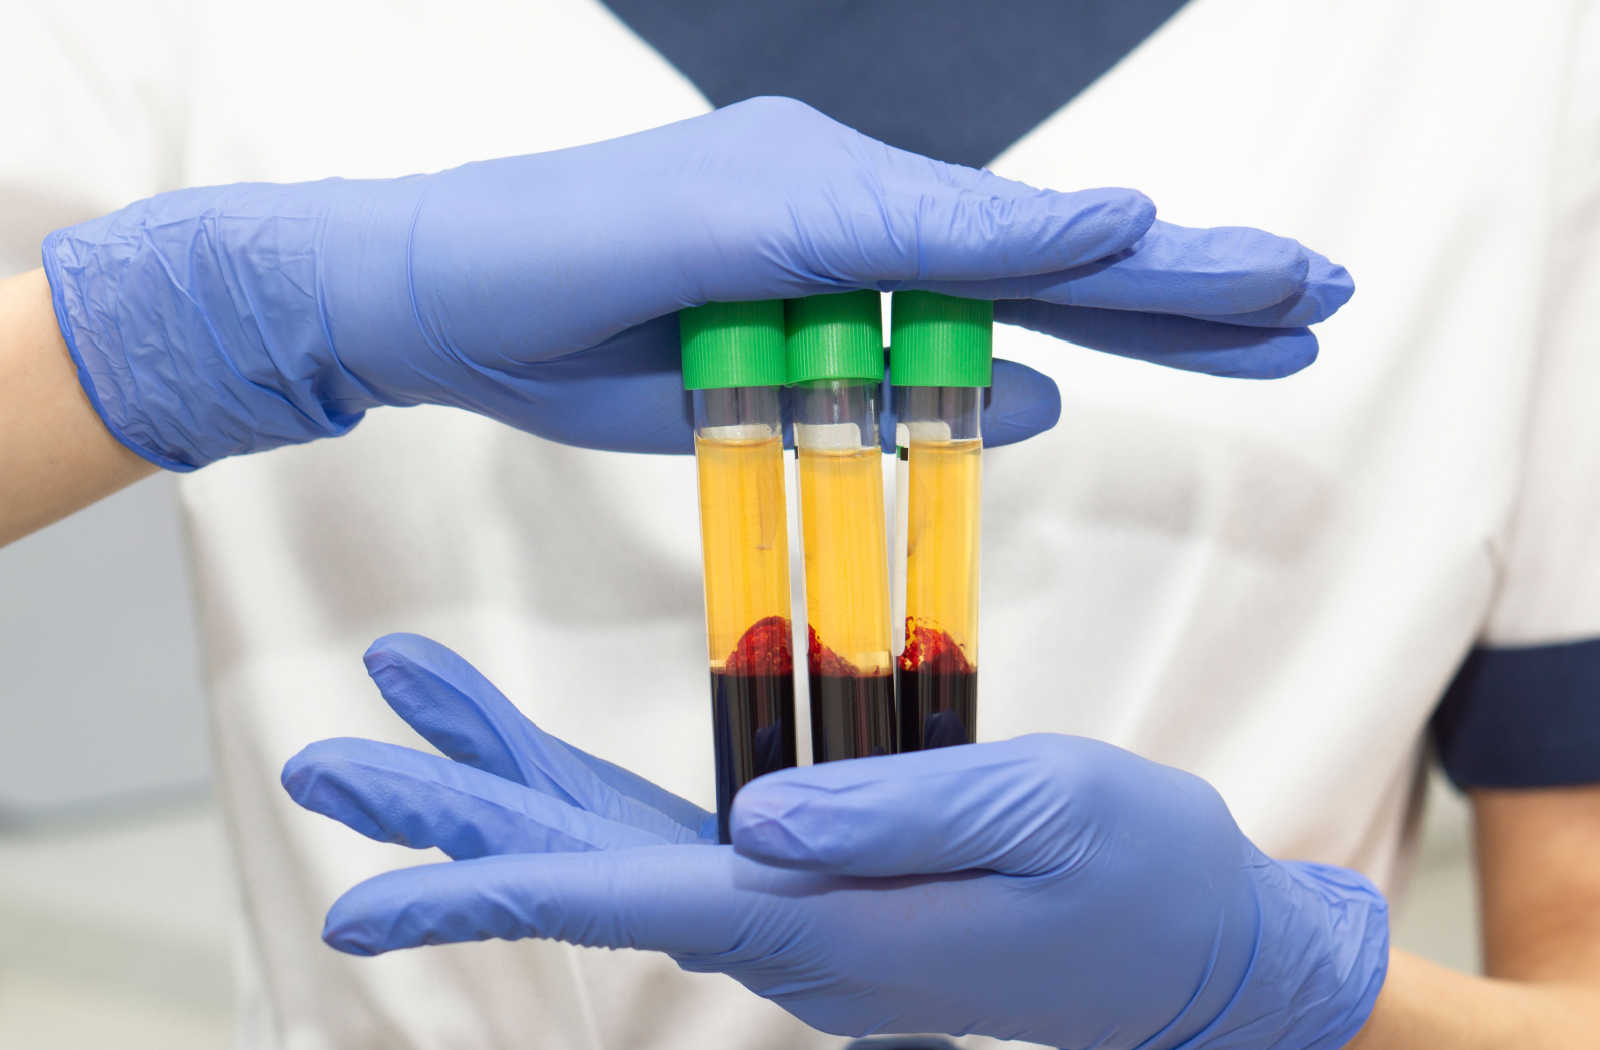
836, 368
940, 365
738, 441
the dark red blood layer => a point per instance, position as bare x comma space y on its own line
931, 649
763, 649
822, 660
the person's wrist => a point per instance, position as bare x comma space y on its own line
197, 324
96, 342
1321, 959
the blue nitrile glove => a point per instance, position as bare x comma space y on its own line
1047, 888
541, 290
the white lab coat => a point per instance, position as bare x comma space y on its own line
1269, 584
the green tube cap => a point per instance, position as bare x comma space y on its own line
733, 344
835, 337
939, 340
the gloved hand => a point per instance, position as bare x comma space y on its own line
1047, 888
541, 290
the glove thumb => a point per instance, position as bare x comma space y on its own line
1021, 807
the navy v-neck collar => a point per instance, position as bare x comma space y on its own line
960, 80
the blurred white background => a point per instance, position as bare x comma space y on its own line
116, 898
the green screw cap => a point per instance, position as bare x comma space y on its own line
733, 344
835, 337
939, 340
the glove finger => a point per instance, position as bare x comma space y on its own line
1172, 270
1019, 807
1021, 403
969, 225
844, 210
624, 395
949, 222
394, 794
459, 711
684, 900
1328, 287
1175, 342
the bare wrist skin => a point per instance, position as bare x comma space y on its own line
58, 457
1538, 856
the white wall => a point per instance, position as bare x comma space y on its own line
99, 679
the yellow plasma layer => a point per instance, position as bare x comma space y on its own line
847, 576
744, 530
942, 495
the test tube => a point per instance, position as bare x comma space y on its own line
940, 361
734, 364
836, 375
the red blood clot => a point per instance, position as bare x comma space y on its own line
763, 649
824, 661
931, 649
938, 690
